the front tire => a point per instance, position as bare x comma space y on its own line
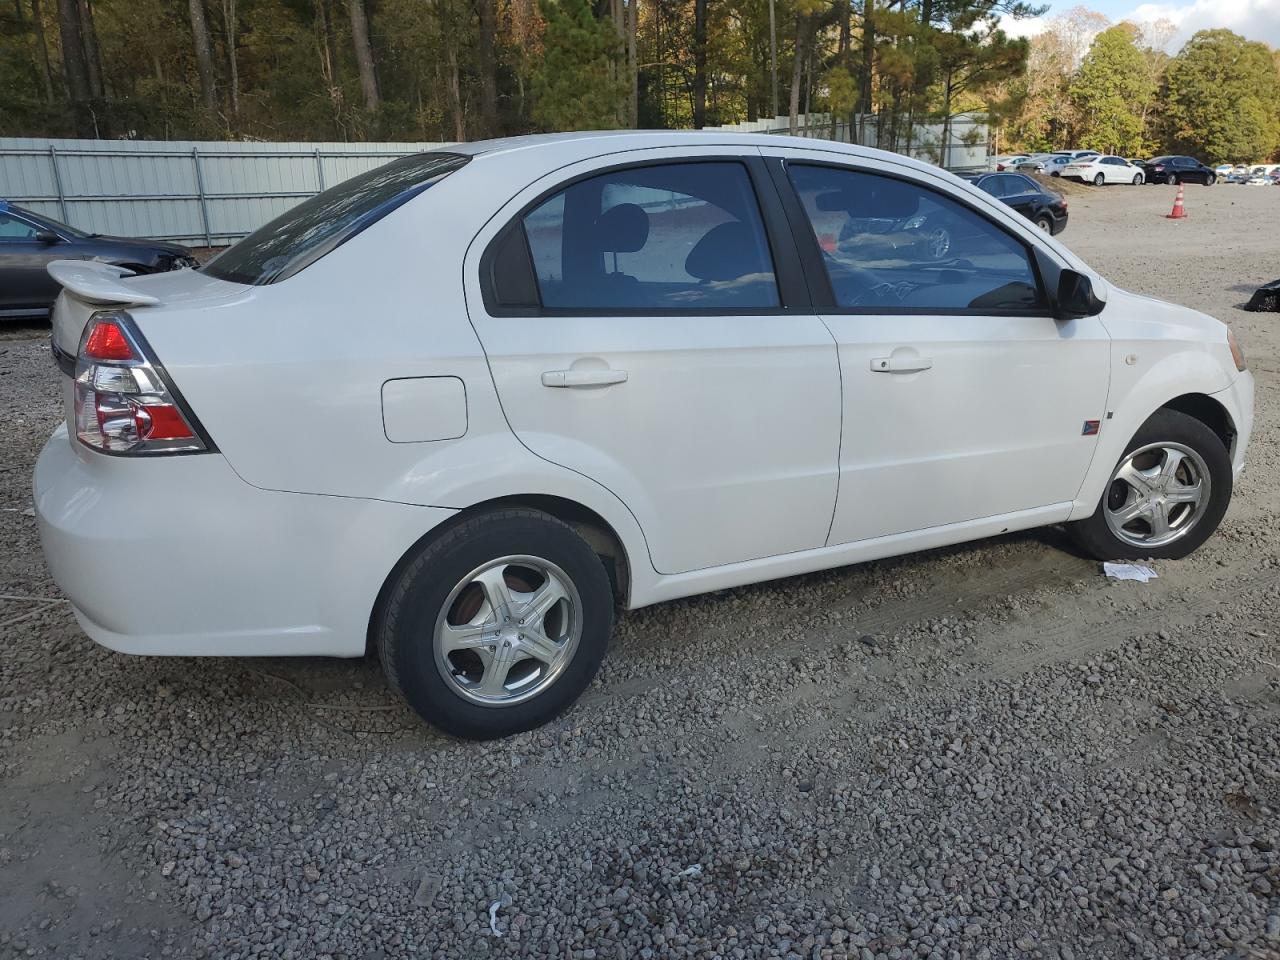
1137, 179
1165, 497
496, 626
1210, 180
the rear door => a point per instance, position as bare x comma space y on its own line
647, 325
25, 286
963, 398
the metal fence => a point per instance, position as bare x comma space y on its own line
212, 193
203, 193
967, 135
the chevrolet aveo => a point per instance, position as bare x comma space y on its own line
460, 407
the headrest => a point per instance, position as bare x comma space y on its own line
883, 199
622, 229
726, 252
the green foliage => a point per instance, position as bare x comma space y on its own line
1223, 97
577, 85
1110, 91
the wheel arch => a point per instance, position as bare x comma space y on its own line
598, 532
1208, 411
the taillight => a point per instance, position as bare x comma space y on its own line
123, 404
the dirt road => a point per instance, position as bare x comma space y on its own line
985, 751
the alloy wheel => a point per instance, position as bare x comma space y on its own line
508, 630
1157, 494
1099, 180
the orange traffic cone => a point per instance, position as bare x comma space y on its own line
1178, 212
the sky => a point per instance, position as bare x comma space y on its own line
1252, 19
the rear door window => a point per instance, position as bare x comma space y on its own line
672, 238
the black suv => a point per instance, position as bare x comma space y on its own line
1045, 209
29, 242
1176, 170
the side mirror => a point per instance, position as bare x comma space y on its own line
47, 237
1075, 297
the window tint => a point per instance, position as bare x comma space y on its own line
11, 228
675, 237
894, 246
996, 186
1027, 185
316, 226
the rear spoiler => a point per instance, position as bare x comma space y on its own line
96, 282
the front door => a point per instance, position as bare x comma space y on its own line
963, 398
656, 348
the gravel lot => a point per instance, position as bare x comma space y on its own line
986, 751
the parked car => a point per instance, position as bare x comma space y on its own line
1050, 164
1175, 170
29, 242
1261, 180
1003, 163
1221, 170
1101, 170
1044, 208
461, 406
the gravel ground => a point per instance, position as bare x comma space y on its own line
985, 751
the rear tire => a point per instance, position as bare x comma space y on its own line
1099, 180
496, 626
1045, 224
1171, 179
1169, 439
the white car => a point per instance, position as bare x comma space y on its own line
458, 408
1102, 170
999, 164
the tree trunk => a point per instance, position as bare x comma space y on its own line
42, 48
455, 95
74, 66
773, 59
486, 63
633, 65
92, 53
868, 64
204, 53
797, 72
364, 53
229, 23
699, 63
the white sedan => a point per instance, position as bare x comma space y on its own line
460, 408
1103, 170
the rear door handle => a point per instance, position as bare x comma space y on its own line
583, 378
900, 364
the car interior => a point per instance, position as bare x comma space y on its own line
888, 238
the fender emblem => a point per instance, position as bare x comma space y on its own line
1090, 428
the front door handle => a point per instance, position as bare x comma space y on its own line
900, 364
583, 378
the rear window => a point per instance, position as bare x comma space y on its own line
301, 236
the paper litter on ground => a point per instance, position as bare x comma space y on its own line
1129, 571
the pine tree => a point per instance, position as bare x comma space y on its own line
578, 85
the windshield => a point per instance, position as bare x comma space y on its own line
57, 225
304, 234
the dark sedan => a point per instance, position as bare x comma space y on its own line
29, 241
1175, 170
1045, 209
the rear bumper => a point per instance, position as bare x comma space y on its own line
179, 556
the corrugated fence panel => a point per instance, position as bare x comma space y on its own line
196, 192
